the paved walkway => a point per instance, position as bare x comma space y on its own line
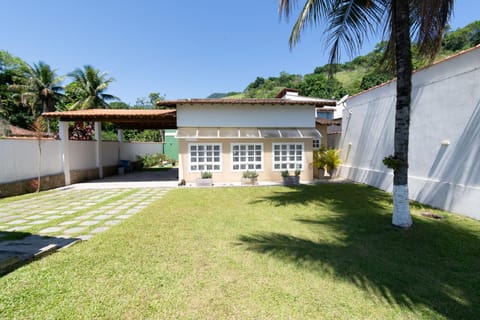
39, 224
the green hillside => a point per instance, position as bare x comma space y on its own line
354, 76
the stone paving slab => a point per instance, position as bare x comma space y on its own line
65, 215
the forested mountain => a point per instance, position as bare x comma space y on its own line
354, 76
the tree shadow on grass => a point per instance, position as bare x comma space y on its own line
20, 248
433, 266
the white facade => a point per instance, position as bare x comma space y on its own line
229, 139
444, 151
236, 115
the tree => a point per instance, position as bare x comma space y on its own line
44, 85
348, 22
12, 71
318, 85
89, 88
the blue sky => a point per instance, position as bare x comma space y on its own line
182, 49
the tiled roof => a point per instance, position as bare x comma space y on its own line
328, 122
282, 102
124, 118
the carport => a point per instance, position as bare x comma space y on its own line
122, 118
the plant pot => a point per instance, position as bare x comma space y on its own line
321, 173
291, 180
332, 173
249, 181
204, 182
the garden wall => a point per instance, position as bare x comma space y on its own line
20, 161
130, 150
444, 149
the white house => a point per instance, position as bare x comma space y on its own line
229, 136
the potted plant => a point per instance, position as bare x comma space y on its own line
289, 180
332, 161
205, 179
319, 162
249, 178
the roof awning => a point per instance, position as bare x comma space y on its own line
248, 133
123, 118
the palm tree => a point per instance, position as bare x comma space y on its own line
40, 87
348, 22
89, 87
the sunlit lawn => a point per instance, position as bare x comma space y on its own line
326, 252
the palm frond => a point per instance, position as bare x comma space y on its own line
349, 24
313, 12
429, 19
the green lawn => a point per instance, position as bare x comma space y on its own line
325, 252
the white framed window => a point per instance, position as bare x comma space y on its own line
287, 156
316, 144
247, 156
205, 157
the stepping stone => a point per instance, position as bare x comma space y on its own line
3, 219
55, 217
100, 229
19, 221
124, 216
112, 222
51, 229
37, 216
84, 217
68, 223
89, 223
69, 212
85, 237
74, 230
19, 228
38, 222
102, 217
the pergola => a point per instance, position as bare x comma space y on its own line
122, 118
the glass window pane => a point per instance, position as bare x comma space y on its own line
290, 133
228, 132
186, 132
249, 133
270, 133
207, 132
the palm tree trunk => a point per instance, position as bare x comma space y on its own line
401, 24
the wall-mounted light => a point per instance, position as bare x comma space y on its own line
445, 142
349, 144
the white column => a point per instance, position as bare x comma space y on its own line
120, 143
64, 149
98, 148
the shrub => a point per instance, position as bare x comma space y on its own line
206, 175
250, 174
152, 160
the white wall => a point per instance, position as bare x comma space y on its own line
110, 153
130, 150
263, 116
19, 159
445, 107
82, 155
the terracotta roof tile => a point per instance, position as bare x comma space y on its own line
275, 101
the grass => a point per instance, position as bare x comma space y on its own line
325, 252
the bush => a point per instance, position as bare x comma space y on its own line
250, 174
152, 160
206, 175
